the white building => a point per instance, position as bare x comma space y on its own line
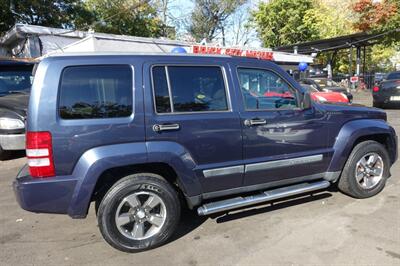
29, 41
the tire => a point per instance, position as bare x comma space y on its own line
360, 188
139, 233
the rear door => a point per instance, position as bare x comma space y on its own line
190, 104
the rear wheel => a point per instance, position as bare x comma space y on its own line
139, 212
366, 170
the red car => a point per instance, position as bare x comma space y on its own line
332, 97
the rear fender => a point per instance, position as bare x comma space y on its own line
97, 160
93, 163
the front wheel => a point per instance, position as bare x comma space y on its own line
139, 212
366, 170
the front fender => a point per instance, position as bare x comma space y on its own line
350, 133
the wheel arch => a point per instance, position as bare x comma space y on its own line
355, 132
110, 176
95, 167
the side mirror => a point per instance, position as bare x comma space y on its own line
306, 101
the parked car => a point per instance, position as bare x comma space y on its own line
325, 97
15, 83
388, 91
146, 135
327, 85
378, 77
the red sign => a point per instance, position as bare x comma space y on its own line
354, 79
202, 49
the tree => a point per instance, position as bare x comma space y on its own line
209, 18
7, 19
164, 9
54, 13
239, 27
282, 22
379, 17
129, 17
330, 18
382, 58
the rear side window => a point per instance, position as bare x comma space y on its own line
95, 92
192, 89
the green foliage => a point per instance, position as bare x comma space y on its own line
382, 58
284, 22
129, 17
53, 13
208, 18
330, 18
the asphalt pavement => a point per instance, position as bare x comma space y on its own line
327, 228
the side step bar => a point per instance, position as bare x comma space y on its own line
283, 192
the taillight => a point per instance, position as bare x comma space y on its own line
40, 154
376, 89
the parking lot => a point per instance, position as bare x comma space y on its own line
326, 228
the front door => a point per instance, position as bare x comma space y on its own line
280, 140
191, 106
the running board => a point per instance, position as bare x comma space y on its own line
283, 192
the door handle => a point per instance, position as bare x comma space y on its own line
255, 122
165, 127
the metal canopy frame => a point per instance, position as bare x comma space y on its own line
361, 39
358, 40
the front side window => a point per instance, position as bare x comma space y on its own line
192, 89
95, 92
264, 90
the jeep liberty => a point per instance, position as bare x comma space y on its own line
143, 136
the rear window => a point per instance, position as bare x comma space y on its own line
189, 89
15, 80
394, 75
95, 92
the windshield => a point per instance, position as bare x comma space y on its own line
326, 83
16, 80
394, 75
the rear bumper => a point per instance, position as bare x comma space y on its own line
47, 195
12, 142
385, 98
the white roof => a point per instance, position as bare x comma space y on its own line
55, 40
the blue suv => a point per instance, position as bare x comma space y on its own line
144, 136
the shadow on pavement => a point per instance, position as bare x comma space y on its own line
11, 155
189, 222
293, 201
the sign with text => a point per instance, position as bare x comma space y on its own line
354, 79
202, 49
